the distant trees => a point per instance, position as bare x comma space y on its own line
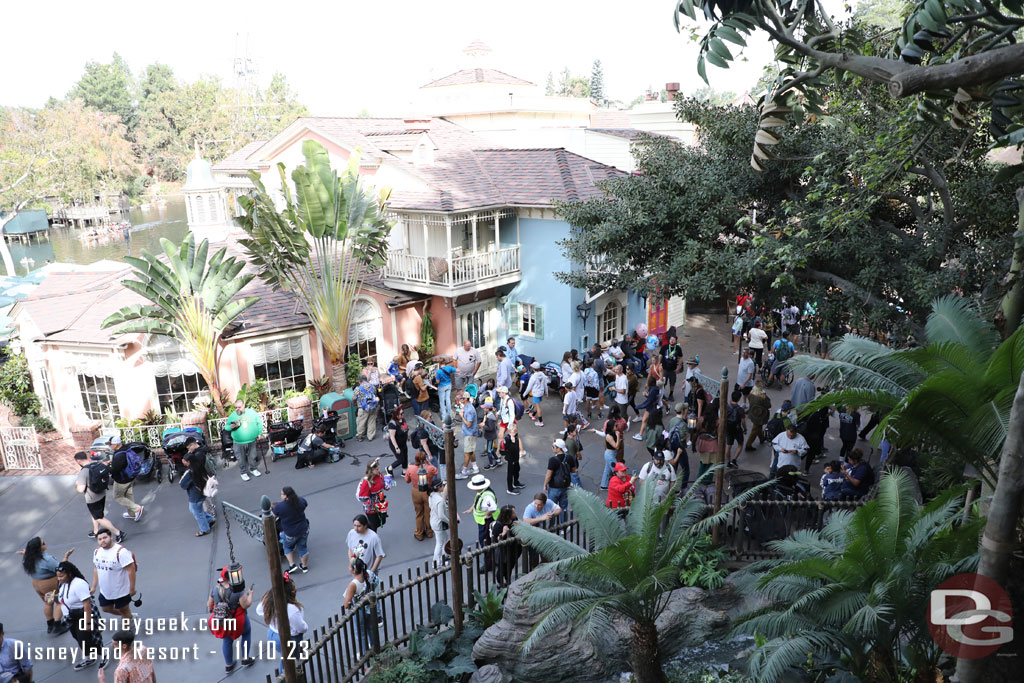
597, 83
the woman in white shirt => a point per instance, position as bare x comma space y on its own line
296, 616
438, 504
76, 599
566, 367
758, 337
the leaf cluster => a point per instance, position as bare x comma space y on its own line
434, 655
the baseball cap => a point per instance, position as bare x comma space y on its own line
488, 401
558, 443
466, 394
680, 407
660, 455
116, 438
535, 365
502, 389
619, 467
787, 405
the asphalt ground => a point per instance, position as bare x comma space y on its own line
176, 570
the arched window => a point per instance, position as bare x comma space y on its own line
364, 328
611, 321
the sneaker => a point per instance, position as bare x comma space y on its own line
637, 418
462, 475
92, 534
585, 425
230, 668
520, 486
255, 473
637, 437
138, 515
512, 493
84, 664
247, 662
292, 568
102, 664
476, 470
499, 462
120, 537
489, 466
360, 438
127, 515
304, 568
603, 488
732, 463
60, 628
245, 477
539, 423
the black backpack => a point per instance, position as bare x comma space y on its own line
409, 387
99, 477
732, 416
774, 427
562, 474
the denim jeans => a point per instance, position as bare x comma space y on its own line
561, 499
444, 395
292, 544
203, 518
609, 463
367, 635
244, 640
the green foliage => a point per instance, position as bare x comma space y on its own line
26, 404
152, 417
704, 565
318, 386
489, 608
678, 673
42, 424
951, 396
435, 647
255, 395
353, 369
15, 379
597, 83
426, 347
124, 422
855, 594
109, 89
391, 667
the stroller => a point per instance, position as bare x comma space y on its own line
330, 421
553, 371
390, 398
147, 464
175, 443
284, 439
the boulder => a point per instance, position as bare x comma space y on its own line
693, 616
487, 674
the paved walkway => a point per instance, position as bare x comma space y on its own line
176, 570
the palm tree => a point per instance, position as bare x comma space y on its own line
857, 591
952, 395
192, 301
321, 245
634, 565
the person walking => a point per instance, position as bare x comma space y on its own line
671, 357
364, 543
246, 427
508, 553
537, 387
194, 483
92, 481
757, 339
574, 449
679, 457
470, 431
420, 395
364, 581
612, 443
849, 423
398, 439
745, 376
291, 513
649, 406
123, 473
371, 487
632, 387
489, 432
421, 477
621, 390
735, 421
113, 573
229, 621
77, 605
368, 402
558, 477
438, 502
134, 664
760, 412
445, 378
484, 508
42, 569
591, 389
15, 662
267, 609
467, 364
513, 449
506, 369
659, 474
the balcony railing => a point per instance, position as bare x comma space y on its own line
454, 272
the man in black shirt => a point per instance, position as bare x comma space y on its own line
558, 477
312, 449
124, 481
671, 356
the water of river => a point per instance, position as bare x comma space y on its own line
66, 244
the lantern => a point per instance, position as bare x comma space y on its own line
691, 421
422, 480
235, 578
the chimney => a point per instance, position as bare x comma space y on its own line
671, 90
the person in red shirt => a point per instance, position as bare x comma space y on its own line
371, 487
620, 488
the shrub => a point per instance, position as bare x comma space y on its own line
42, 424
26, 403
15, 379
353, 367
391, 667
489, 608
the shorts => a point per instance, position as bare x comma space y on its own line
733, 436
98, 509
591, 392
117, 603
468, 444
534, 400
746, 390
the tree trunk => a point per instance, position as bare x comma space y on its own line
338, 378
644, 658
5, 251
999, 540
1013, 301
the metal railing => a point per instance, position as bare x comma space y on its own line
452, 272
267, 417
20, 448
751, 527
147, 434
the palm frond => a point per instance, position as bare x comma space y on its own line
955, 319
602, 525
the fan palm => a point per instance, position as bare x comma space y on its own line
192, 301
952, 395
321, 245
634, 565
858, 589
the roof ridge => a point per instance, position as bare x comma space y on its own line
566, 173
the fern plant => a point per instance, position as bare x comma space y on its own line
489, 607
855, 593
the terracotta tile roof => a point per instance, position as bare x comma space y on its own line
477, 76
239, 160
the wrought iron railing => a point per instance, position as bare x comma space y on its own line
147, 434
267, 416
20, 448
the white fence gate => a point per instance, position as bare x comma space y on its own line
20, 448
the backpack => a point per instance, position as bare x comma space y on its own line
414, 438
221, 616
563, 475
784, 350
133, 463
519, 409
732, 416
409, 387
774, 427
99, 477
675, 438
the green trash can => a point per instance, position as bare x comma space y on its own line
345, 407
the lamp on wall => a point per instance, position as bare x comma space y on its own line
583, 310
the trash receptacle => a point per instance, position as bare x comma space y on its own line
345, 407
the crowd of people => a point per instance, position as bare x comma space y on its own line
623, 391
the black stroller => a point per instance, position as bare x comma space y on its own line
147, 463
330, 422
389, 399
175, 445
284, 439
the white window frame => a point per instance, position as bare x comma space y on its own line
283, 336
378, 331
527, 317
608, 333
46, 394
189, 395
110, 391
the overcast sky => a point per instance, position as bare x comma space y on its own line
343, 56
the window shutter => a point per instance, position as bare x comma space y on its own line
539, 313
513, 319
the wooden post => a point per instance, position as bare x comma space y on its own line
448, 254
723, 400
453, 524
284, 629
476, 258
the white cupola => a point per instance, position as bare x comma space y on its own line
204, 203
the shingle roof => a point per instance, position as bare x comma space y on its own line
626, 133
477, 76
239, 160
